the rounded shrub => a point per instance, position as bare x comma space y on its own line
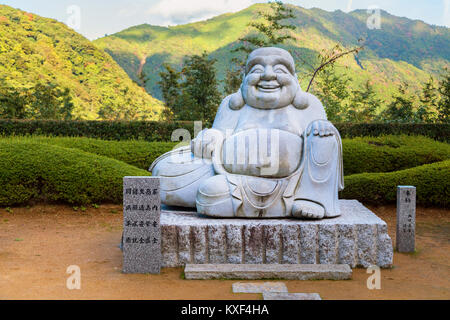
137, 153
85, 170
31, 172
432, 182
382, 154
391, 153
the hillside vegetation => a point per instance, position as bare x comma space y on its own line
402, 50
39, 54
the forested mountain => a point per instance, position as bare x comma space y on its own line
43, 62
403, 50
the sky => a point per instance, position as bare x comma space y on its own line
95, 18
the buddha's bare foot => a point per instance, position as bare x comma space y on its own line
307, 210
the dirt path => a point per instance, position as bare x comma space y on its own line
38, 244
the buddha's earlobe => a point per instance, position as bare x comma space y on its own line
236, 101
301, 100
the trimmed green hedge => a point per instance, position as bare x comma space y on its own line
391, 153
162, 131
435, 131
105, 130
382, 154
136, 153
31, 172
432, 182
81, 171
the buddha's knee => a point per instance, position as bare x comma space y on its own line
213, 197
180, 177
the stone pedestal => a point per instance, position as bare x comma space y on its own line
357, 238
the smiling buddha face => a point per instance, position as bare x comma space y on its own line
270, 81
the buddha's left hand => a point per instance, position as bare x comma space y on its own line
321, 128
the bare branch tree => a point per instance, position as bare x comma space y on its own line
330, 59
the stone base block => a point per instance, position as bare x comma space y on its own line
357, 238
245, 287
268, 271
290, 296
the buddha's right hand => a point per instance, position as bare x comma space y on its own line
206, 142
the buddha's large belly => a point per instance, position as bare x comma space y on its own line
270, 153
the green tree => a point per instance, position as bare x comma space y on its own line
428, 103
42, 101
333, 91
401, 109
269, 32
48, 101
13, 102
443, 106
123, 109
171, 91
364, 104
200, 84
233, 78
192, 94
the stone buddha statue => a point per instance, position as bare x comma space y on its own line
271, 153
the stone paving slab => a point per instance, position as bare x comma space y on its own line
244, 287
290, 296
268, 271
357, 238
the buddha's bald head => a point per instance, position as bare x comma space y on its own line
276, 55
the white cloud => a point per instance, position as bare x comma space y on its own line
182, 11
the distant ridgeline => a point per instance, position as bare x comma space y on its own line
47, 70
402, 50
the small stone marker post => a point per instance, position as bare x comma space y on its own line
141, 225
406, 218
